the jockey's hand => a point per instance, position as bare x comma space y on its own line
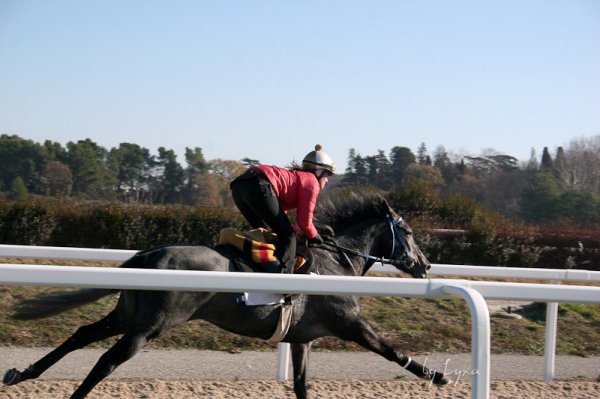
316, 240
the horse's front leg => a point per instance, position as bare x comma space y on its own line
300, 362
362, 333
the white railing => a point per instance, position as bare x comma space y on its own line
185, 280
119, 255
551, 275
472, 291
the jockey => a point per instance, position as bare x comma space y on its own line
265, 193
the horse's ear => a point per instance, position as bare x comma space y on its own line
385, 205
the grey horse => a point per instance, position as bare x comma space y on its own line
366, 224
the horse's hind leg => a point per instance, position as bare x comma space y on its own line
300, 361
362, 333
123, 350
98, 331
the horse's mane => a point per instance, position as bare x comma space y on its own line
346, 210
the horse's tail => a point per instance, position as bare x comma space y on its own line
46, 305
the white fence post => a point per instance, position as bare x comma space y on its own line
550, 340
480, 339
283, 361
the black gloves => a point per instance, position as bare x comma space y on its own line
316, 240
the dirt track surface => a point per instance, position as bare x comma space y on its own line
208, 374
182, 389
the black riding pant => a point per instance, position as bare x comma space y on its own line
255, 198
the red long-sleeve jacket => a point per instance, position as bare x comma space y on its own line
295, 189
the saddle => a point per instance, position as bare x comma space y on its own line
253, 252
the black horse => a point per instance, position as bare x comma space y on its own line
365, 223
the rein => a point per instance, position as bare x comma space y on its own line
393, 224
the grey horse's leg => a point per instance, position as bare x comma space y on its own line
362, 333
157, 316
98, 331
125, 348
300, 362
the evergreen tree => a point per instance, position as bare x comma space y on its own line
539, 201
133, 165
360, 171
547, 164
197, 166
581, 208
350, 175
377, 172
17, 190
170, 177
422, 157
382, 180
56, 151
88, 164
20, 158
400, 159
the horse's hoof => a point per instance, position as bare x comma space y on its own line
442, 381
12, 377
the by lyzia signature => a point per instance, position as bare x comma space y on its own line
448, 372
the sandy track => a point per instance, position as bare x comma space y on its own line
187, 389
155, 374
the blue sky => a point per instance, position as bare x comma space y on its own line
269, 79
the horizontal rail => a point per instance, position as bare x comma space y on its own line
504, 272
119, 255
65, 253
188, 280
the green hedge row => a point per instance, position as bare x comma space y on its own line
504, 250
111, 225
116, 225
490, 239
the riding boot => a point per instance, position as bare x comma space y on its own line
285, 251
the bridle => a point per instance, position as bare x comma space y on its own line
404, 259
404, 262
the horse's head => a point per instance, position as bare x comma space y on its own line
359, 218
405, 254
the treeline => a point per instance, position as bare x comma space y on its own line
560, 188
128, 173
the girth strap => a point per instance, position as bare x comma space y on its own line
283, 325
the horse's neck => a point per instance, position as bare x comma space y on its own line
361, 241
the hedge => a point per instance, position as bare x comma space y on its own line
117, 225
111, 225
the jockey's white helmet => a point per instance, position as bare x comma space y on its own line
318, 160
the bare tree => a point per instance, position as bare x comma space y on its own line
579, 167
